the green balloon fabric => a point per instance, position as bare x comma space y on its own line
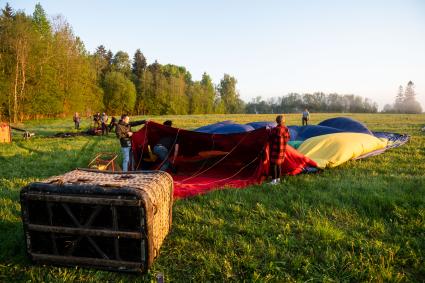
295, 144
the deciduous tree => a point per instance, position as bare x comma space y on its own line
119, 93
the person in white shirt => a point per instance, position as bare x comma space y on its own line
306, 117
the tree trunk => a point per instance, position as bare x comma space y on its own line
23, 80
15, 90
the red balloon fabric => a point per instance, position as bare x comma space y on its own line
214, 161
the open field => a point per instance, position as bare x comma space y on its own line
362, 221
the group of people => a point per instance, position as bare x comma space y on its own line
100, 122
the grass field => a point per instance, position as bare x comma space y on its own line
362, 221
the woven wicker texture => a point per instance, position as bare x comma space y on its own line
155, 186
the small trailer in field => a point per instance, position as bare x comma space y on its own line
6, 132
26, 134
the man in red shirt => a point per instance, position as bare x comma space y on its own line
279, 137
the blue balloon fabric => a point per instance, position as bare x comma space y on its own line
301, 133
258, 125
346, 125
298, 133
293, 132
232, 129
225, 127
212, 127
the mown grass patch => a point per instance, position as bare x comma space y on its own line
362, 221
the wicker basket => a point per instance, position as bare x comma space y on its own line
108, 220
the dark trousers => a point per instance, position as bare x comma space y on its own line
77, 125
275, 170
104, 128
305, 121
111, 127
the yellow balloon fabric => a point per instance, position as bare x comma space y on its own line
334, 149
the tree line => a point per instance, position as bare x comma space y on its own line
405, 101
315, 102
45, 71
44, 68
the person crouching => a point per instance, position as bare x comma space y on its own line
164, 147
279, 137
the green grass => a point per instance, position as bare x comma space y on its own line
362, 221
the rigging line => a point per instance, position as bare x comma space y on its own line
261, 152
143, 147
221, 159
206, 160
224, 179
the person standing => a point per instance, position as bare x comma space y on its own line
76, 120
279, 137
112, 124
96, 120
306, 117
124, 133
104, 120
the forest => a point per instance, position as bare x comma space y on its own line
46, 71
315, 102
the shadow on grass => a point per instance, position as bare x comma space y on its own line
12, 247
34, 163
16, 172
31, 161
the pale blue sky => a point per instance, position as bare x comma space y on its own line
362, 47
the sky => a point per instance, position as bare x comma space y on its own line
272, 48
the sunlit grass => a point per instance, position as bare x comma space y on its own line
362, 221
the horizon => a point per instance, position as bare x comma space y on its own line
366, 49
